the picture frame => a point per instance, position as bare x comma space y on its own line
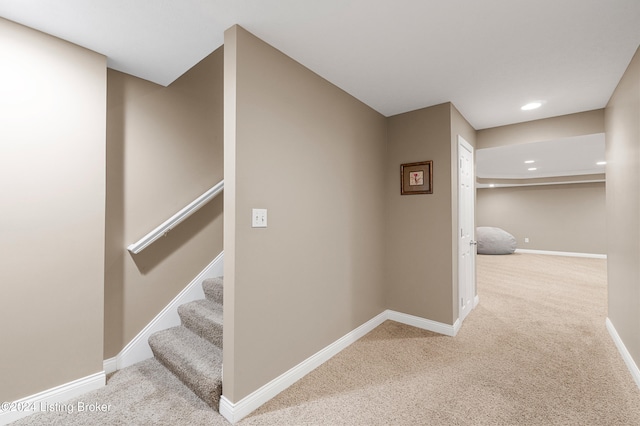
416, 178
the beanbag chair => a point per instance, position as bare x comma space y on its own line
494, 241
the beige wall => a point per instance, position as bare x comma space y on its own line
422, 250
419, 263
314, 157
579, 124
569, 217
52, 168
164, 149
622, 120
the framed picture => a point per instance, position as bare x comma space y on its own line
416, 178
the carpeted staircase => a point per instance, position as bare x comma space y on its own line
193, 350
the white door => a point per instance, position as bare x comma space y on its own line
466, 231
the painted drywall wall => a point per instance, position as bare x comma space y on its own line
52, 179
314, 157
164, 149
622, 123
419, 279
579, 124
569, 217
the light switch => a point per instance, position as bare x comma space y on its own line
259, 218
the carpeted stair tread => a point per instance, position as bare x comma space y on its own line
213, 289
204, 318
194, 360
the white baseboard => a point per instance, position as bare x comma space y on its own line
234, 412
58, 395
562, 253
626, 356
110, 365
425, 324
138, 348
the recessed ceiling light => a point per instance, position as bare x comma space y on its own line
601, 163
532, 169
531, 105
529, 162
492, 185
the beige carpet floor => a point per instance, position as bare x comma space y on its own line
535, 351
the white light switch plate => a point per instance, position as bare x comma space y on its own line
259, 218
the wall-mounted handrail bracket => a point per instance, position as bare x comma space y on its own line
164, 228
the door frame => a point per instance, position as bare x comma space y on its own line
462, 314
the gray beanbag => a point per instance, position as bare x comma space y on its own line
494, 241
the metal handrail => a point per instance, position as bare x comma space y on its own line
176, 219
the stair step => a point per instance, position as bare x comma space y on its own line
194, 360
213, 289
204, 318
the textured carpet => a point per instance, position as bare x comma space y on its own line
143, 394
534, 352
193, 350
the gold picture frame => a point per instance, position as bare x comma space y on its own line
416, 178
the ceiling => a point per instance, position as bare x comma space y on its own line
574, 156
488, 57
